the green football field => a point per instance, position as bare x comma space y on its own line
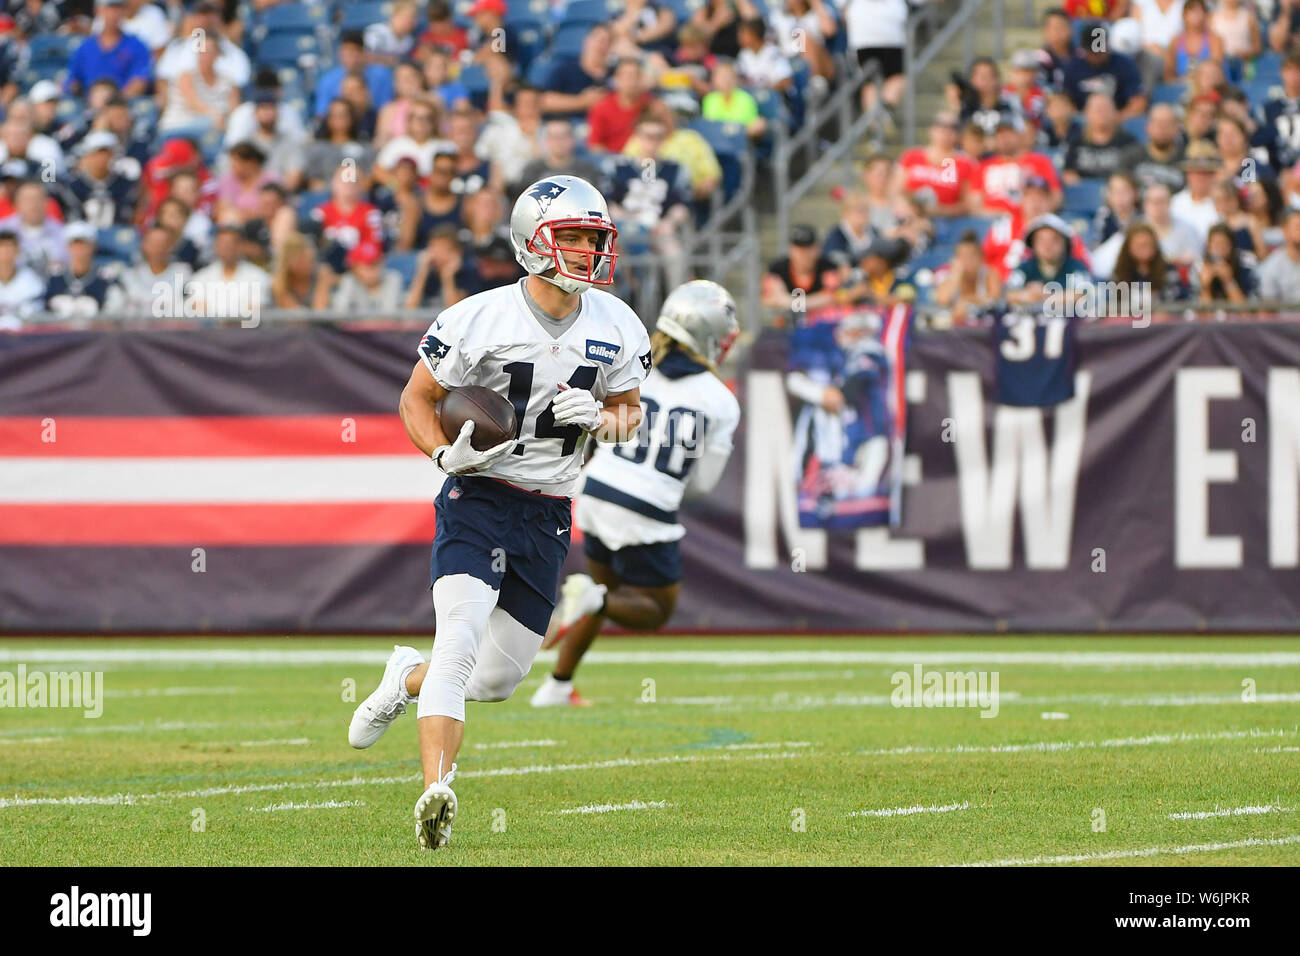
1108, 751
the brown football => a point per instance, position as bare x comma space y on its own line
492, 414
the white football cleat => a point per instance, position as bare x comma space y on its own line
579, 597
558, 693
389, 701
434, 812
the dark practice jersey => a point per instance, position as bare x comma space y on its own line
1279, 131
103, 202
82, 296
1036, 355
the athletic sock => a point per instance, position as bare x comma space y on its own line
555, 676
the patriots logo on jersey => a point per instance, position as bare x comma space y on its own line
546, 193
434, 350
645, 362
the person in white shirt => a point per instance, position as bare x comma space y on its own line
231, 284
802, 29
877, 33
21, 289
419, 144
19, 140
40, 236
244, 122
367, 288
1195, 204
182, 54
759, 63
1180, 241
146, 22
140, 282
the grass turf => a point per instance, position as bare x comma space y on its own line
752, 751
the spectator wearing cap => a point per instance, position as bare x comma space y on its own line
559, 156
420, 144
352, 59
979, 97
19, 140
442, 34
22, 293
877, 36
611, 118
967, 283
1119, 208
157, 266
512, 130
683, 145
1159, 159
98, 190
727, 102
392, 41
239, 187
1098, 149
1048, 239
802, 280
337, 142
44, 98
230, 280
202, 99
1096, 68
346, 219
443, 276
1195, 44
1279, 274
849, 238
761, 64
367, 288
40, 236
1195, 204
1000, 178
1004, 243
110, 53
77, 289
281, 141
473, 167
643, 27
573, 88
938, 173
1022, 86
298, 281
1140, 261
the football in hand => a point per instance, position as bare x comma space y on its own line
492, 414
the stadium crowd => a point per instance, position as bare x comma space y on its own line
364, 156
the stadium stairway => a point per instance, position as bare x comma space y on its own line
818, 208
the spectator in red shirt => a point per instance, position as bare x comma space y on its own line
1096, 9
938, 169
1023, 86
345, 220
1004, 243
176, 156
442, 34
611, 120
1001, 178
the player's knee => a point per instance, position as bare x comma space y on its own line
493, 684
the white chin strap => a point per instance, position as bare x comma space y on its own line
566, 284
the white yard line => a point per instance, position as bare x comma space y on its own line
174, 692
615, 807
1053, 746
908, 811
1231, 812
507, 744
327, 805
1146, 851
723, 658
776, 745
286, 742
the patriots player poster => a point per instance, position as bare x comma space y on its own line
846, 377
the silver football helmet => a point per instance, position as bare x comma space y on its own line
555, 203
701, 315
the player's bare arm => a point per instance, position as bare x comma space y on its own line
620, 417
419, 410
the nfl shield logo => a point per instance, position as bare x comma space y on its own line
454, 493
555, 350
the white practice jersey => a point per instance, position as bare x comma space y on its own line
632, 491
493, 339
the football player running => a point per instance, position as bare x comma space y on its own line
628, 506
570, 358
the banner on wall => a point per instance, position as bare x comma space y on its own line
260, 480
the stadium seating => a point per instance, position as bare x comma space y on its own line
290, 18
1084, 197
358, 16
567, 42
1171, 93
307, 202
948, 231
404, 264
535, 13
729, 142
1136, 126
590, 11
116, 244
280, 50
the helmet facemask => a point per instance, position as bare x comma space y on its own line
599, 261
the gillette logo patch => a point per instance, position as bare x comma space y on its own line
602, 351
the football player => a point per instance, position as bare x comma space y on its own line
628, 506
570, 358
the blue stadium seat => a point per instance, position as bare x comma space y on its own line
1083, 198
290, 18
771, 106
46, 48
730, 144
932, 258
1168, 93
475, 80
1258, 92
286, 49
684, 8
539, 71
567, 43
530, 41
531, 13
1136, 126
358, 16
590, 11
948, 230
117, 244
403, 263
1268, 66
308, 201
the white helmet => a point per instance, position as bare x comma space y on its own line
701, 315
559, 202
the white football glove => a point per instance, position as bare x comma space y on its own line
576, 406
460, 458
